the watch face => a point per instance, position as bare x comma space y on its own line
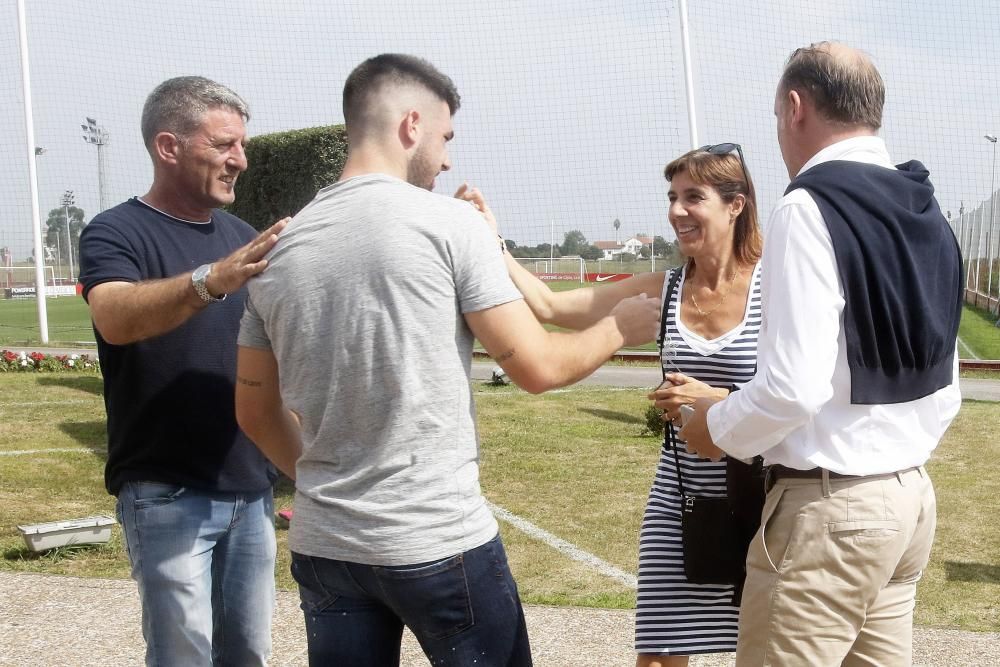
201, 272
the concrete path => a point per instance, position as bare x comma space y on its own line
646, 376
54, 621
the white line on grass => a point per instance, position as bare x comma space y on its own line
20, 452
564, 547
961, 343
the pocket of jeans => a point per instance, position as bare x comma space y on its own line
431, 598
314, 596
155, 494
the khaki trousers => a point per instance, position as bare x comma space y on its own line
832, 573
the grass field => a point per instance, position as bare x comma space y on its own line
68, 318
979, 334
575, 463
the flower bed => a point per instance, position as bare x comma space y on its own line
36, 362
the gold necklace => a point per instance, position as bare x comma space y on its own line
694, 302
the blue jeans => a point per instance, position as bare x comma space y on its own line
464, 610
204, 563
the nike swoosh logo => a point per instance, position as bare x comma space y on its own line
601, 279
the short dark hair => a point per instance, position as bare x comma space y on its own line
368, 77
179, 105
847, 90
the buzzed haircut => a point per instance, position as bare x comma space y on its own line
369, 77
845, 87
179, 105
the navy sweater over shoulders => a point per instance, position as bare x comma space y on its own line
901, 270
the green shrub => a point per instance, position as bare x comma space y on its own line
286, 170
654, 419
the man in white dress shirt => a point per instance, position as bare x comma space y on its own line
857, 380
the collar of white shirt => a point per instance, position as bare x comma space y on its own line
869, 149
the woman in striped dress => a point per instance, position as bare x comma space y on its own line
713, 316
712, 321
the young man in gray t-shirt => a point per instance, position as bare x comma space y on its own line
353, 377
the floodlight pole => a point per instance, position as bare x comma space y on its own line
67, 201
29, 139
97, 135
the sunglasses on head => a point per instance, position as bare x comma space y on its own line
726, 149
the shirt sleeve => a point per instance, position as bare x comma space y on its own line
481, 278
252, 330
802, 304
106, 255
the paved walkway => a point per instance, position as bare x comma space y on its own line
55, 621
647, 376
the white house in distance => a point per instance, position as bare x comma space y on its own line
612, 249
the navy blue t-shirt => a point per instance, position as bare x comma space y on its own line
169, 399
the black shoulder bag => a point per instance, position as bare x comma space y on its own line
716, 532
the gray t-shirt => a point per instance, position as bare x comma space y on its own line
362, 305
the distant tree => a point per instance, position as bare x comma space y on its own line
574, 243
592, 252
55, 234
626, 257
511, 245
660, 246
617, 225
644, 252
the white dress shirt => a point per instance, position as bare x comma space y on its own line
797, 410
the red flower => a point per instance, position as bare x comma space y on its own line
9, 356
36, 356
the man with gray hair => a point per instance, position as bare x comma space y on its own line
368, 310
857, 379
164, 276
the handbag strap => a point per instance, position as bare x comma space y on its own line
669, 437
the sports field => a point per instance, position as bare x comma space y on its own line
574, 463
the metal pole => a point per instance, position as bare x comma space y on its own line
36, 222
989, 250
552, 244
978, 251
688, 78
67, 201
102, 196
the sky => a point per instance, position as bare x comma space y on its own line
570, 109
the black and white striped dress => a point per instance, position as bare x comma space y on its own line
674, 616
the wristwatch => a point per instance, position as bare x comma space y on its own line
198, 278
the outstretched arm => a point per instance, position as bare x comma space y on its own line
538, 360
125, 312
574, 309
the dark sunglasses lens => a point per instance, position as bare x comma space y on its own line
722, 149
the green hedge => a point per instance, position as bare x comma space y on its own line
285, 171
